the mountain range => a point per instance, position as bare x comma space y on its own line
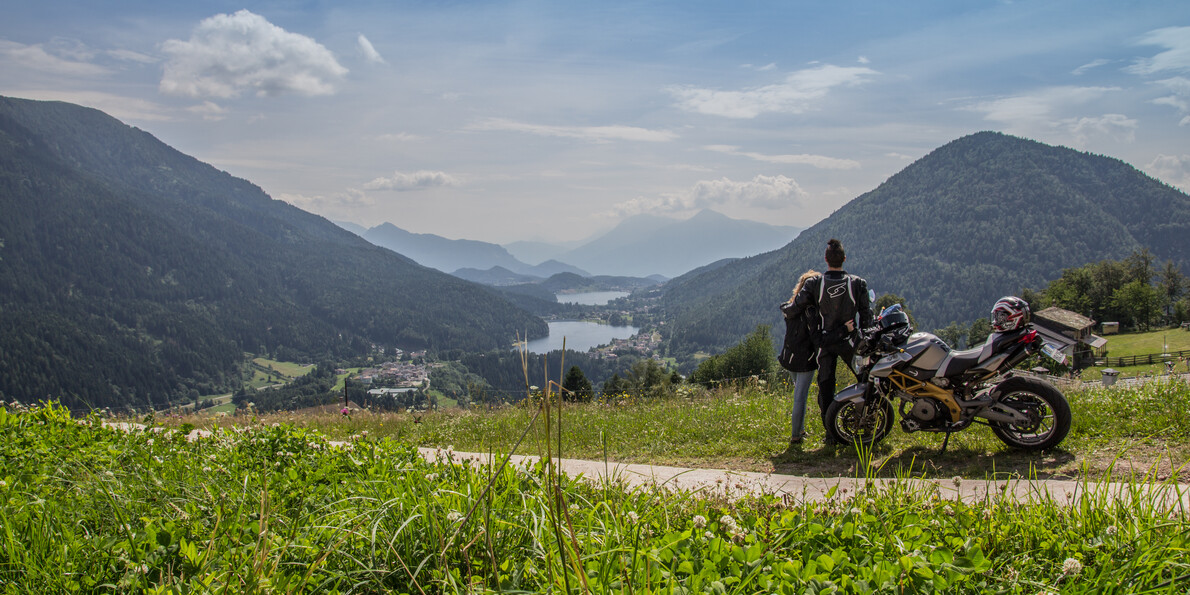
449, 255
981, 217
639, 246
133, 274
646, 245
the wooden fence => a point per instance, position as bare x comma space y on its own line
1137, 360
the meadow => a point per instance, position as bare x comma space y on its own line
1169, 340
344, 504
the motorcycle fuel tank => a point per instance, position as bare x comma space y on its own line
927, 350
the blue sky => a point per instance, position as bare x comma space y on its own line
506, 121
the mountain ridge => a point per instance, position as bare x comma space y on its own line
132, 274
675, 246
980, 217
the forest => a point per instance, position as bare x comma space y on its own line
984, 216
131, 274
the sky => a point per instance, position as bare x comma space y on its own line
553, 121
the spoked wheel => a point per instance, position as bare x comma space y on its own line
1044, 405
859, 423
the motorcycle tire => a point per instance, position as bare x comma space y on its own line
843, 426
1047, 408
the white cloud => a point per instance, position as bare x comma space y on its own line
1093, 64
863, 60
35, 57
800, 92
1173, 169
818, 161
403, 137
1047, 111
1039, 106
369, 52
419, 180
590, 133
230, 53
1179, 98
1176, 57
765, 192
131, 56
209, 110
1117, 126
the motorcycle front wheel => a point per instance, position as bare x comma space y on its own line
856, 423
1043, 404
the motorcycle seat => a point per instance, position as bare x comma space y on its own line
961, 361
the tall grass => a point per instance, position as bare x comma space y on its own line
277, 509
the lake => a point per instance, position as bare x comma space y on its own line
591, 298
580, 336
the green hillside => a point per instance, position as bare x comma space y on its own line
981, 217
132, 274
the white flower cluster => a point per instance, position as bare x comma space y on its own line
1071, 567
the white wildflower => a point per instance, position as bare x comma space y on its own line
3, 484
454, 516
431, 477
1071, 567
727, 523
957, 481
633, 517
708, 535
1111, 531
700, 521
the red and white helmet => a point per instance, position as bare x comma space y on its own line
1009, 314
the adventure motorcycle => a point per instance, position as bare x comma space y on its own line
945, 390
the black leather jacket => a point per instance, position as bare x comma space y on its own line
839, 297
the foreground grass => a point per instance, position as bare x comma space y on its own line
1145, 431
277, 509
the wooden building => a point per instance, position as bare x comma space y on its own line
1071, 333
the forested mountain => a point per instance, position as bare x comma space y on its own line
646, 245
133, 274
983, 216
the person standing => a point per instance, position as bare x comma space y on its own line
799, 355
843, 305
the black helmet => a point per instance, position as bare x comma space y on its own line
1009, 314
894, 322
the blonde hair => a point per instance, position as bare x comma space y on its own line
802, 281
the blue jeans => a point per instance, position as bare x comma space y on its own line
801, 391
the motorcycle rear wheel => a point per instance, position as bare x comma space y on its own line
1048, 411
844, 425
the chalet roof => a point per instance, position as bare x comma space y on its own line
1062, 342
1071, 320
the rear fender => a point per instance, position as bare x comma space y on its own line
854, 393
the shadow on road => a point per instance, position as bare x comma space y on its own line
816, 460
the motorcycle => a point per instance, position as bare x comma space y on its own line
944, 390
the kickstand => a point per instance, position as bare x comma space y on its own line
945, 441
